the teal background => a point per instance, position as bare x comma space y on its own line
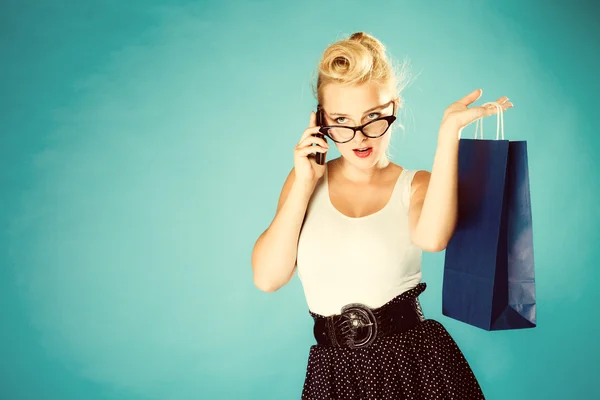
143, 147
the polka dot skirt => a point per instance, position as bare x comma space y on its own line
422, 363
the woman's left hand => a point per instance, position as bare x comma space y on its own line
458, 114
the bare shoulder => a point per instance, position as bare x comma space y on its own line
287, 186
419, 184
419, 180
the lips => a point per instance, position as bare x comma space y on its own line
363, 152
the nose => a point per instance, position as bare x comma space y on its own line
359, 136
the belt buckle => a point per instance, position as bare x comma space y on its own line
357, 315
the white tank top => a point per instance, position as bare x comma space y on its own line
367, 260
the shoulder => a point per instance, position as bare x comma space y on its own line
420, 181
415, 183
417, 179
287, 186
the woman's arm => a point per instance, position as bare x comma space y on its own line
275, 251
433, 204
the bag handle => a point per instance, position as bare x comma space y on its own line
499, 121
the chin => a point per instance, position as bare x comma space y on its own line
371, 160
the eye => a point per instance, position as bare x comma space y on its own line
376, 115
337, 120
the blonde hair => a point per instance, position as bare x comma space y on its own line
358, 59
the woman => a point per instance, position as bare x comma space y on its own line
355, 228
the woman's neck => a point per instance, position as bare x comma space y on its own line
361, 176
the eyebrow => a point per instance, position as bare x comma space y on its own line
368, 111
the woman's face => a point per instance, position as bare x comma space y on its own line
354, 106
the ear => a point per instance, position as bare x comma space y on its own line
397, 105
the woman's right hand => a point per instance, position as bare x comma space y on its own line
307, 170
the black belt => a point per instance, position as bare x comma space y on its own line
358, 325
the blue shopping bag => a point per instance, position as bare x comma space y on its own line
489, 279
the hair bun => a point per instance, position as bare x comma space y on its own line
369, 41
355, 60
357, 36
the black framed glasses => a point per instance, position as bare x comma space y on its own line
372, 129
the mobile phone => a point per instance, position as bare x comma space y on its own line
320, 157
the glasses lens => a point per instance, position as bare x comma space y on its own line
341, 134
376, 128
373, 129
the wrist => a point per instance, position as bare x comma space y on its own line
448, 134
